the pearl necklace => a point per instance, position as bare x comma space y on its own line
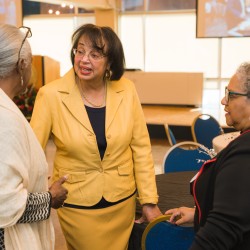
90, 102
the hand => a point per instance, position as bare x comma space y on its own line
58, 193
181, 215
149, 213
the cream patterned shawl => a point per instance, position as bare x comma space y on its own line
23, 170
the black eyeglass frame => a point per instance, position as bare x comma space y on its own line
27, 35
229, 93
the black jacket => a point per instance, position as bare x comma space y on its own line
222, 196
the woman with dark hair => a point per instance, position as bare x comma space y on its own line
97, 124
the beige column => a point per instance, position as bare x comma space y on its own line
107, 18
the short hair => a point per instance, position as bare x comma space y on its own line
105, 40
243, 75
11, 39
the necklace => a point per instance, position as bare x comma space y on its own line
90, 102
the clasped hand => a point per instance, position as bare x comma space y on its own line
58, 193
149, 213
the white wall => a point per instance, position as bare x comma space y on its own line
52, 37
168, 42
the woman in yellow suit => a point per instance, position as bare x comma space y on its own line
97, 124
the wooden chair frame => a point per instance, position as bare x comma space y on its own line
170, 135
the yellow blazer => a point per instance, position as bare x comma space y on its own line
127, 164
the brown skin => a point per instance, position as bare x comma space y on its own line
12, 84
149, 213
181, 215
238, 107
90, 73
58, 193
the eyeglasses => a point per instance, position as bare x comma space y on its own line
92, 55
228, 94
27, 31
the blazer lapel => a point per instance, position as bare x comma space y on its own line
114, 98
72, 99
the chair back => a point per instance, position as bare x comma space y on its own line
162, 235
186, 156
170, 135
204, 128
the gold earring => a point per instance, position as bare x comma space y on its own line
107, 74
21, 80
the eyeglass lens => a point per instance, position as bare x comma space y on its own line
92, 55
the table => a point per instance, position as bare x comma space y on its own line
174, 191
221, 141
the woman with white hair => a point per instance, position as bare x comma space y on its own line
25, 198
221, 190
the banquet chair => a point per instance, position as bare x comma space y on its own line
204, 128
186, 156
162, 235
170, 135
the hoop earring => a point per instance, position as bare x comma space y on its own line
21, 80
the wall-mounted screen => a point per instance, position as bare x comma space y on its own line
11, 12
223, 18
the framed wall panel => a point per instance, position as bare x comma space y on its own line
11, 12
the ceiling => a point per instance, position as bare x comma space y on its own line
86, 4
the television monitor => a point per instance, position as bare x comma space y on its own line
11, 12
222, 18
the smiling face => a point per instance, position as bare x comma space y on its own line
238, 107
89, 63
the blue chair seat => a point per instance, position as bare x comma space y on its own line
204, 128
186, 156
162, 235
